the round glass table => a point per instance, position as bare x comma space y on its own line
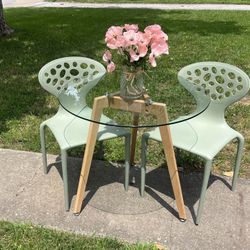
179, 108
145, 112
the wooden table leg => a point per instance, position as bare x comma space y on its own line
88, 155
133, 138
172, 169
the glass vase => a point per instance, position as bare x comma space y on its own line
132, 84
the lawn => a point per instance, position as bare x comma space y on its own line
160, 1
27, 236
45, 34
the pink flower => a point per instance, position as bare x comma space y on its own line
131, 38
110, 67
144, 38
114, 38
158, 37
111, 43
153, 28
107, 56
159, 48
156, 33
113, 32
137, 52
120, 41
152, 60
142, 50
131, 27
135, 48
134, 56
116, 43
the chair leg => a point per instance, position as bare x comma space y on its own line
127, 161
206, 176
237, 161
65, 178
43, 148
144, 143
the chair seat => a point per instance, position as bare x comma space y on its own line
199, 138
71, 131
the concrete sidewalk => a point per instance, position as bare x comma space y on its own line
39, 3
27, 195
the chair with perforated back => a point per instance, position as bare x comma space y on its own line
75, 77
206, 134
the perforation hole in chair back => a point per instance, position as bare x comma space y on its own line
79, 72
222, 83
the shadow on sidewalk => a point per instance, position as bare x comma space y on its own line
105, 189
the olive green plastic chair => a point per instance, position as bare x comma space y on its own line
75, 76
206, 134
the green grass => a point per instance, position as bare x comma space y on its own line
161, 1
27, 236
45, 34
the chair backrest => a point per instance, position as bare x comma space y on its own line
220, 83
71, 75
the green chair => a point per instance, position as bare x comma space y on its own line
206, 134
74, 77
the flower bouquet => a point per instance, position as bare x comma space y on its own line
136, 51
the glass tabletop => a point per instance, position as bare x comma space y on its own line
180, 107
